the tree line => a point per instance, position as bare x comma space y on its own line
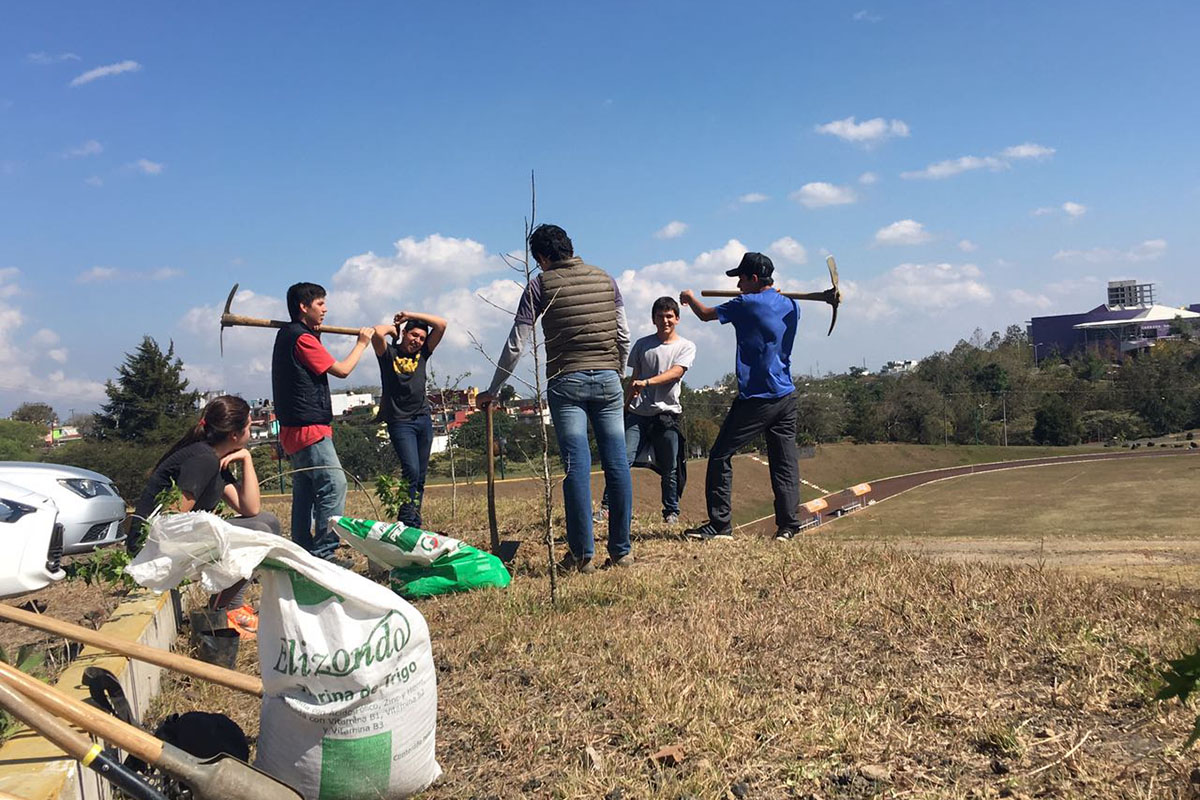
986, 390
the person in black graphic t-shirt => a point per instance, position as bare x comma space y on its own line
404, 407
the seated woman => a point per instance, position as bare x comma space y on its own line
200, 465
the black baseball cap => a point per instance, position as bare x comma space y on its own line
753, 264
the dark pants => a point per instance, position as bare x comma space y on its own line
412, 440
747, 418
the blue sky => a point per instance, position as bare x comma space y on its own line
969, 164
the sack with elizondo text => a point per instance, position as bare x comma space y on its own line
349, 706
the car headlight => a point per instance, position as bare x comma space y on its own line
84, 487
11, 510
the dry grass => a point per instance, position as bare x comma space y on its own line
805, 669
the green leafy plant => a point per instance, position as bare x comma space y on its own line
1180, 680
393, 492
105, 567
29, 658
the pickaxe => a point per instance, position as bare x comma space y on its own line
832, 295
228, 320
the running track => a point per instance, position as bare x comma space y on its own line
884, 488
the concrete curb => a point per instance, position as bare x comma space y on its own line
34, 769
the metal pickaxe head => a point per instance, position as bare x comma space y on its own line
834, 292
224, 316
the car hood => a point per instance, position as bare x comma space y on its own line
10, 468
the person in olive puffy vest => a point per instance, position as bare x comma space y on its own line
300, 370
587, 343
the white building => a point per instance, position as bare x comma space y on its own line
344, 401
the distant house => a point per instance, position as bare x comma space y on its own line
1131, 321
345, 401
67, 433
898, 367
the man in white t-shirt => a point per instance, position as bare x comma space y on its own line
652, 416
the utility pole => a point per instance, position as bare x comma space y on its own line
1004, 409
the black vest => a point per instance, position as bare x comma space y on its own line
301, 398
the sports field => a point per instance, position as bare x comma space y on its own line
1133, 519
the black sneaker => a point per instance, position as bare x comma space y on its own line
785, 532
708, 532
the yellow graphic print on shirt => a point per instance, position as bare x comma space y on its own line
406, 366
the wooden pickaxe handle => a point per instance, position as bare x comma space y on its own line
74, 744
96, 722
229, 320
824, 297
832, 295
151, 655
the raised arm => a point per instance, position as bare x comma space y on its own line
340, 369
703, 312
437, 326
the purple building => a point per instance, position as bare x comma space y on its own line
1129, 322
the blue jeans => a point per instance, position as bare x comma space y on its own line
412, 440
317, 495
666, 454
575, 398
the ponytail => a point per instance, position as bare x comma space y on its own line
223, 417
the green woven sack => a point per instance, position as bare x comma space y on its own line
464, 569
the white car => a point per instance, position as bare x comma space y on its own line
32, 541
89, 508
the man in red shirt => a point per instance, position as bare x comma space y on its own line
300, 370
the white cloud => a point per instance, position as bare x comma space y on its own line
788, 249
753, 197
1021, 297
1027, 150
930, 287
105, 71
374, 287
866, 16
1069, 208
97, 275
672, 230
957, 166
868, 178
43, 59
867, 132
967, 246
89, 148
820, 194
905, 231
1149, 250
94, 180
148, 167
108, 274
21, 357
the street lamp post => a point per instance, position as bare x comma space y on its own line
1036, 345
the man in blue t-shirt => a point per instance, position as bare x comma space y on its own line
765, 323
